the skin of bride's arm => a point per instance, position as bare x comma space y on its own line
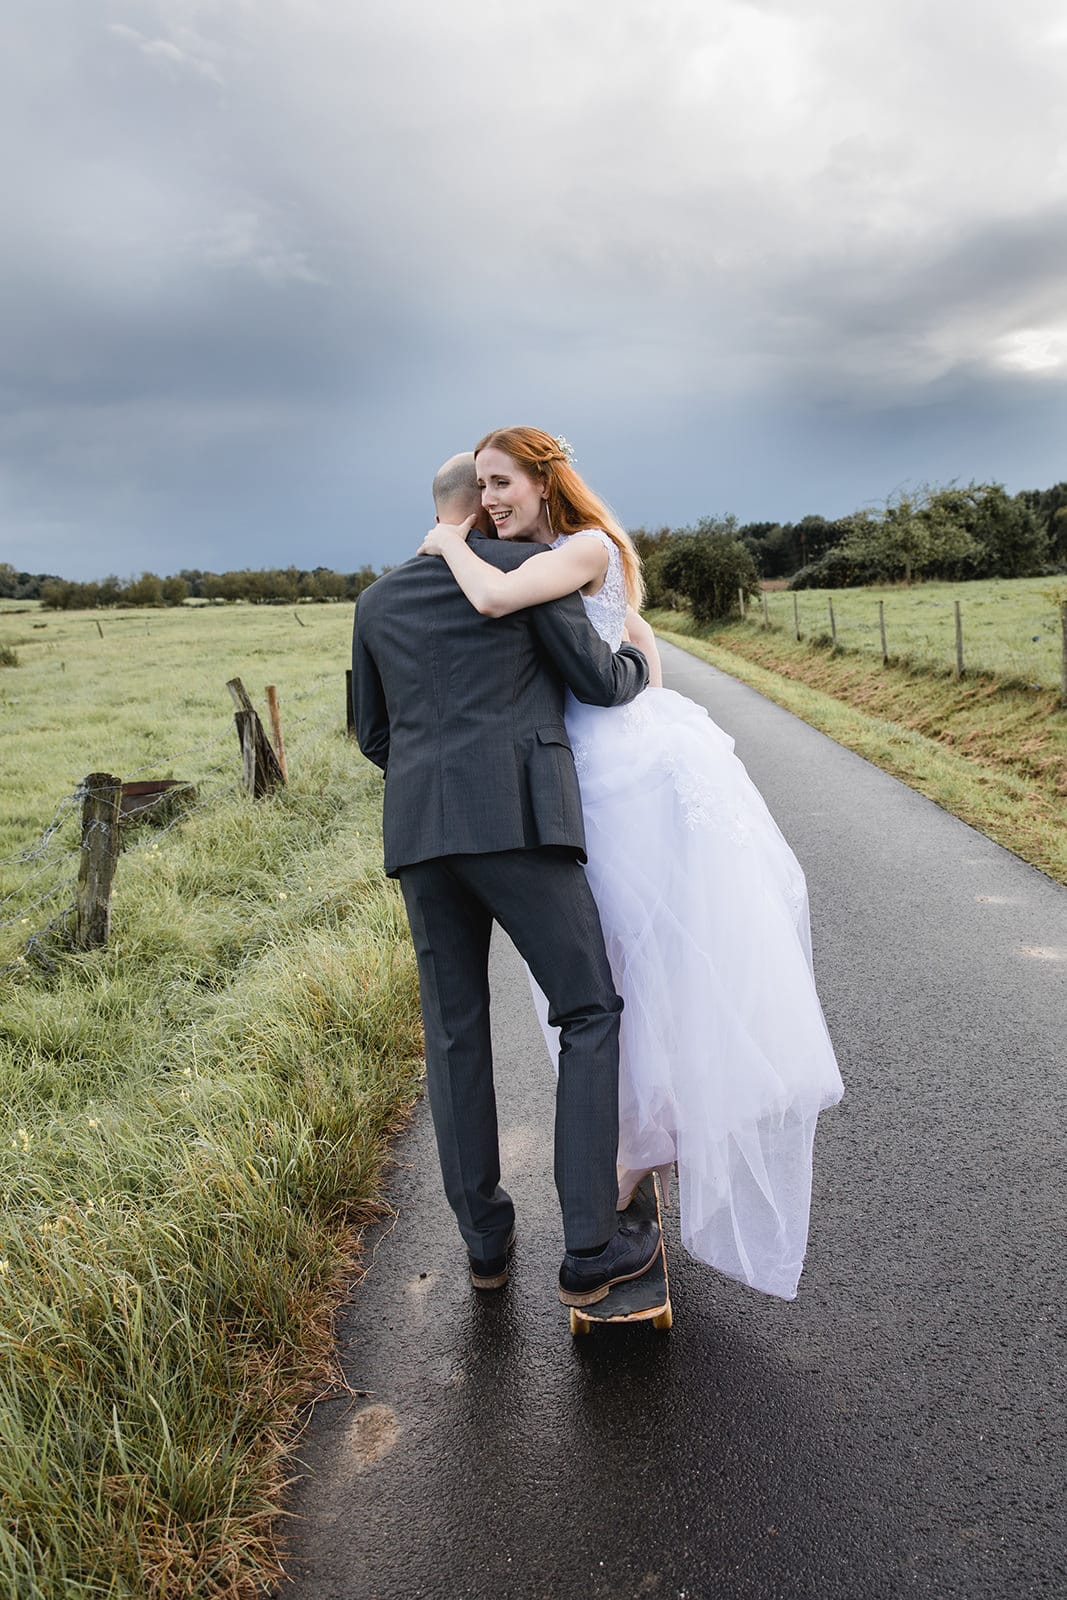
639, 633
548, 576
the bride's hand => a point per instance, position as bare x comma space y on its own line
437, 540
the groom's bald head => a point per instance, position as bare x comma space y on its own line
456, 495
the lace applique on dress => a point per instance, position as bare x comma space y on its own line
703, 807
606, 609
580, 752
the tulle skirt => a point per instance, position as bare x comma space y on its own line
725, 1060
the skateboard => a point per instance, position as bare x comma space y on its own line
643, 1299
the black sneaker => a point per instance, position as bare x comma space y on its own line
492, 1273
583, 1280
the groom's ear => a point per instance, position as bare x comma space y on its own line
436, 520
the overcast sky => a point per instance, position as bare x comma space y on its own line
266, 262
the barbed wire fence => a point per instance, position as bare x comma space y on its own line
56, 860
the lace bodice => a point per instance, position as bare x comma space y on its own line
606, 609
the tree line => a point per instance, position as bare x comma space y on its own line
937, 531
266, 586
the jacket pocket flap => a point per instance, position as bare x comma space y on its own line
554, 736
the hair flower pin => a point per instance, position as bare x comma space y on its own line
566, 449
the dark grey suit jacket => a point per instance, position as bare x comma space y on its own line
464, 713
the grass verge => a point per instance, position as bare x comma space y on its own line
993, 754
195, 1123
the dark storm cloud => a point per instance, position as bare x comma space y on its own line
265, 264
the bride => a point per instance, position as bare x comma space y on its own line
725, 1061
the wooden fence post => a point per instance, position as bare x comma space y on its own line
246, 735
276, 729
833, 624
796, 616
959, 641
99, 629
766, 614
741, 601
350, 710
260, 766
99, 857
881, 629
1063, 668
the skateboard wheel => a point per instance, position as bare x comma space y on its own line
665, 1319
578, 1324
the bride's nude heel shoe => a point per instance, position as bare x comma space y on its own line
628, 1182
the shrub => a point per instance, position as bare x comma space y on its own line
839, 568
707, 566
9, 656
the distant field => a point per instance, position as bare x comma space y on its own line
1011, 627
148, 698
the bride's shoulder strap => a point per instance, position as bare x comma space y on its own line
595, 533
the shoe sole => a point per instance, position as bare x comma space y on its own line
591, 1297
497, 1281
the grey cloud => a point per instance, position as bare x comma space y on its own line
267, 264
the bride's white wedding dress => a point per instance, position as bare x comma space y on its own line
725, 1061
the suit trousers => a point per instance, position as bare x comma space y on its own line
542, 900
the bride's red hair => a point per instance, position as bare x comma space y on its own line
572, 505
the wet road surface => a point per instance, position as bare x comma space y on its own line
897, 1431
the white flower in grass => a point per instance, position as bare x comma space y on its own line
94, 1122
5, 1267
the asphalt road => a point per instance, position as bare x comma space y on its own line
898, 1430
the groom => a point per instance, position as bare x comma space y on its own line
483, 823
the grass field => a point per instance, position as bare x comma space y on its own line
988, 750
147, 698
1011, 626
195, 1118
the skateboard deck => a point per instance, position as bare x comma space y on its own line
643, 1299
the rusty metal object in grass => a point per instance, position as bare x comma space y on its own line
156, 800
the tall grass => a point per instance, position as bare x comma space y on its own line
194, 1122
